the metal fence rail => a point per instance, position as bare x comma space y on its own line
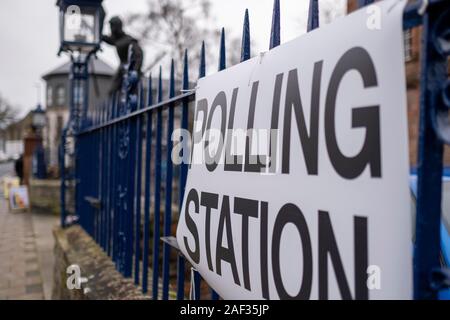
129, 193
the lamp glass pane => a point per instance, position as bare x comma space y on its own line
80, 27
39, 119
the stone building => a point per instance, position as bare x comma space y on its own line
58, 100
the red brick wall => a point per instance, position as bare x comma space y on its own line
352, 5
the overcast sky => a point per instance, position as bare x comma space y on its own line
29, 37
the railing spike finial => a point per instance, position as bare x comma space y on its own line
363, 3
222, 55
160, 90
313, 15
172, 79
186, 71
202, 69
245, 48
150, 90
275, 31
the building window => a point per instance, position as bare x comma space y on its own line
49, 96
60, 96
79, 94
408, 45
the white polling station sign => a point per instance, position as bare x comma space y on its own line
316, 205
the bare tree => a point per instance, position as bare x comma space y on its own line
234, 47
8, 113
234, 52
171, 26
328, 11
331, 9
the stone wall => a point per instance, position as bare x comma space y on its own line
74, 246
45, 196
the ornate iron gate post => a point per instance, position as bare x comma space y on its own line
125, 190
433, 133
77, 119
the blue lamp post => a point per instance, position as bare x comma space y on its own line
39, 120
80, 29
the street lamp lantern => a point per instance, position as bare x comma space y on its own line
38, 118
80, 29
80, 24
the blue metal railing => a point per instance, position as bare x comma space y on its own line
119, 200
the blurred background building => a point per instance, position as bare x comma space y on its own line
58, 99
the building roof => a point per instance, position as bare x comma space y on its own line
96, 66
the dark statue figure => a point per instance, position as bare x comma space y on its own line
122, 41
18, 166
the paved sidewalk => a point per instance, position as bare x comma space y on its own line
26, 254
